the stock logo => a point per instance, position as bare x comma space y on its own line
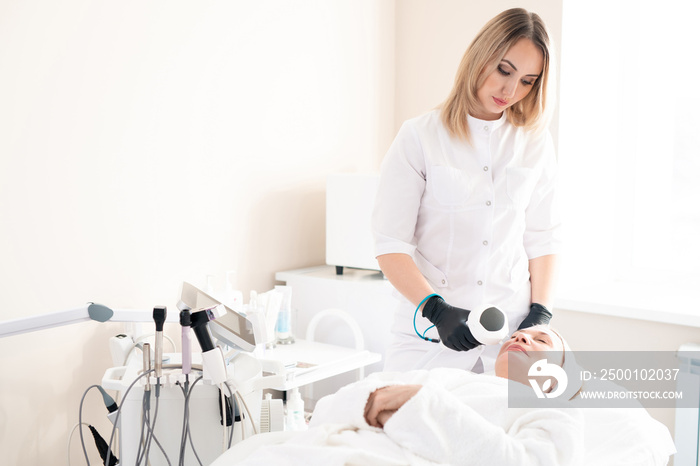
555, 373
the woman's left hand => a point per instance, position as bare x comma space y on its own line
539, 315
384, 402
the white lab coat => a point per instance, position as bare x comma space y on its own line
471, 216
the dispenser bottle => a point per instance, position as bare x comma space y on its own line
295, 411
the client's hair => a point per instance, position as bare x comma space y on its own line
567, 360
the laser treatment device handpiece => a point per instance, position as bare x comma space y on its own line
199, 322
159, 314
186, 323
102, 448
212, 357
147, 364
489, 325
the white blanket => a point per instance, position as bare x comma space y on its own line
457, 418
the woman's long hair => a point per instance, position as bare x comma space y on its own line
483, 56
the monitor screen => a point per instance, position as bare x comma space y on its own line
232, 328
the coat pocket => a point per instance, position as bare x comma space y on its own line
431, 273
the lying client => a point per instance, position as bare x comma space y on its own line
441, 416
450, 416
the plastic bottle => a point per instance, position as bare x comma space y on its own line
283, 328
295, 411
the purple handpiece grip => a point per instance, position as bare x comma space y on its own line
186, 351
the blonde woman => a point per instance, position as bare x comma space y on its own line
464, 214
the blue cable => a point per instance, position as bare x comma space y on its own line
414, 319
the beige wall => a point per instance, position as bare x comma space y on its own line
147, 143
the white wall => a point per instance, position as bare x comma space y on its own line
147, 143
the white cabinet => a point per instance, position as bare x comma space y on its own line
364, 294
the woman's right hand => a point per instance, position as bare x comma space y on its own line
384, 402
451, 324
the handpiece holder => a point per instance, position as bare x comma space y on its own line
488, 325
214, 366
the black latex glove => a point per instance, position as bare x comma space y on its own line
451, 324
539, 315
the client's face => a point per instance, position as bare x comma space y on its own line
516, 355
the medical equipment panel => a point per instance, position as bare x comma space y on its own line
208, 437
231, 327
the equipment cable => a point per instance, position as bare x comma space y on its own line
186, 425
80, 422
119, 411
70, 437
148, 424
